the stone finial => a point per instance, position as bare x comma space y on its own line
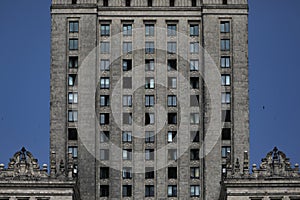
2, 166
53, 164
45, 167
70, 165
246, 164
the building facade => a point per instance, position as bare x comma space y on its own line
149, 96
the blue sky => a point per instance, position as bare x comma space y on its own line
274, 41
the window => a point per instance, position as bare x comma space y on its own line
226, 116
172, 47
104, 172
225, 151
225, 61
73, 151
195, 136
127, 100
194, 100
195, 190
104, 136
149, 118
195, 118
104, 65
194, 3
127, 118
194, 65
127, 173
172, 64
149, 154
126, 190
149, 173
104, 100
127, 65
73, 97
172, 154
172, 82
104, 47
72, 134
224, 169
194, 47
127, 47
172, 172
104, 118
225, 2
149, 190
225, 44
172, 101
172, 190
149, 83
226, 134
126, 136
194, 82
127, 154
226, 97
149, 28
172, 136
172, 28
172, 3
149, 100
172, 118
194, 30
194, 154
127, 29
149, 137
104, 154
73, 44
127, 3
127, 82
149, 47
73, 115
225, 27
72, 80
74, 1
225, 80
104, 190
149, 64
195, 172
104, 83
105, 30
105, 3
73, 62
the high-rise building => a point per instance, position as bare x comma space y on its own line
149, 96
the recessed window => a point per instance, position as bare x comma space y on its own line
72, 80
172, 136
225, 151
104, 83
194, 81
127, 154
127, 191
74, 1
73, 151
127, 82
127, 29
172, 29
105, 3
104, 172
127, 100
127, 47
195, 190
225, 27
73, 26
172, 100
149, 100
172, 47
127, 64
127, 173
194, 3
172, 118
149, 28
194, 100
195, 118
194, 65
225, 80
226, 134
127, 3
149, 154
104, 136
104, 190
149, 173
104, 100
224, 171
172, 172
149, 137
226, 115
104, 118
195, 172
172, 82
224, 2
194, 47
172, 3
149, 83
73, 98
73, 116
127, 118
104, 64
149, 190
149, 118
149, 65
194, 30
105, 30
195, 136
73, 62
72, 134
172, 154
226, 97
104, 47
126, 136
225, 61
104, 154
149, 47
73, 44
225, 44
172, 64
194, 155
172, 191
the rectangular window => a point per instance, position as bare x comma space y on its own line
194, 82
149, 154
149, 64
149, 83
195, 190
149, 29
104, 65
149, 3
127, 64
105, 30
104, 100
226, 115
73, 62
226, 134
104, 136
194, 65
127, 154
172, 154
172, 64
225, 151
194, 154
195, 172
104, 47
127, 173
72, 134
194, 30
172, 47
172, 82
225, 27
73, 26
104, 154
172, 118
172, 172
226, 98
73, 151
126, 136
149, 118
149, 47
104, 118
195, 136
127, 47
104, 172
127, 82
149, 137
127, 191
225, 61
73, 116
127, 29
73, 98
127, 118
149, 173
194, 100
104, 190
194, 3
149, 100
73, 44
172, 3
104, 83
172, 136
225, 80
225, 45
172, 100
194, 47
127, 3
195, 118
172, 191
72, 80
105, 3
172, 29
127, 100
149, 190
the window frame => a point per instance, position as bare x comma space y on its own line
105, 30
